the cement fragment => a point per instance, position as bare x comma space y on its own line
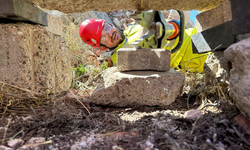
133, 88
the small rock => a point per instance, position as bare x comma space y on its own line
193, 114
34, 140
79, 146
242, 121
115, 147
147, 145
5, 148
15, 143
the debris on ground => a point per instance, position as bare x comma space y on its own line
64, 123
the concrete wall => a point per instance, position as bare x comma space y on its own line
33, 58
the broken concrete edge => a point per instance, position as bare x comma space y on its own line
55, 25
22, 11
29, 12
138, 88
214, 17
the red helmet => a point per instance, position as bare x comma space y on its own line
90, 31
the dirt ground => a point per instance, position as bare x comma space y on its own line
70, 122
63, 123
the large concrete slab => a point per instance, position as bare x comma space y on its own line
143, 59
136, 88
20, 10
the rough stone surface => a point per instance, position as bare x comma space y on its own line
239, 82
214, 17
135, 88
55, 25
2, 147
70, 6
34, 59
20, 10
143, 59
216, 66
15, 143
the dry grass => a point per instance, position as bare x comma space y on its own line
74, 42
21, 103
205, 95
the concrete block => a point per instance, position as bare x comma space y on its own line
33, 58
143, 59
214, 17
20, 10
55, 25
136, 88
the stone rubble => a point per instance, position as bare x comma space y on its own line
239, 82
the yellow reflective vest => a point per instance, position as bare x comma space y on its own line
182, 59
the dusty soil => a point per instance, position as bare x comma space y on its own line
70, 126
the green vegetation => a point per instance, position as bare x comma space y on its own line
86, 67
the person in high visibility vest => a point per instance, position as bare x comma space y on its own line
97, 33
